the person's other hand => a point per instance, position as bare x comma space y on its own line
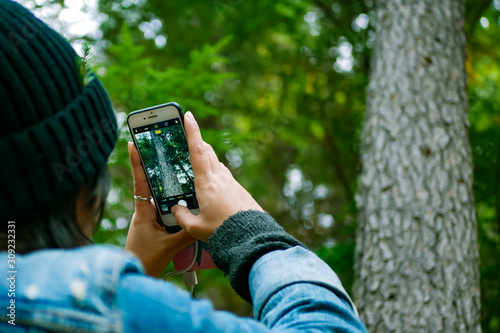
219, 194
146, 238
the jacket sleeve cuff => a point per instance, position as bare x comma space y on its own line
301, 266
241, 240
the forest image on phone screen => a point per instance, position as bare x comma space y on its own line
165, 154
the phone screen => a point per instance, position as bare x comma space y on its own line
164, 151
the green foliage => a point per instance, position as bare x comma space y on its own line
84, 67
483, 68
279, 91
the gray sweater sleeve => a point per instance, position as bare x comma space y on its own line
241, 240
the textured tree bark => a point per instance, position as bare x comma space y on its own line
417, 254
171, 184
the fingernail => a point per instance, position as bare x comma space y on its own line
189, 116
174, 209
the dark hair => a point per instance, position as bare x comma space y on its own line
58, 227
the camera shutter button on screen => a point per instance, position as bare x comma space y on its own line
182, 203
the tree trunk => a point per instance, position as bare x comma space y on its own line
170, 182
417, 254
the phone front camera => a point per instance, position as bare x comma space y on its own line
144, 118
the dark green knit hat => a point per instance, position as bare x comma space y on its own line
55, 133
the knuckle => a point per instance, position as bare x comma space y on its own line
199, 149
208, 146
222, 177
211, 186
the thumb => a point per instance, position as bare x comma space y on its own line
185, 219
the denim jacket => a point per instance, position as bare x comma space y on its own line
101, 288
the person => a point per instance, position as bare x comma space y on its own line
57, 132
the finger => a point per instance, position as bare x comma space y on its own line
197, 149
185, 219
225, 169
212, 157
141, 187
181, 239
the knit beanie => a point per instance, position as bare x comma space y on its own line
56, 132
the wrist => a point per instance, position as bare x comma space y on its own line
241, 240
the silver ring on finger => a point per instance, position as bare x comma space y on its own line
139, 198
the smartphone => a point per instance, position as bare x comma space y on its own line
158, 134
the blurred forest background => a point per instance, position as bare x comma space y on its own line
278, 88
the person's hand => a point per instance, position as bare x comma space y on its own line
219, 194
146, 238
